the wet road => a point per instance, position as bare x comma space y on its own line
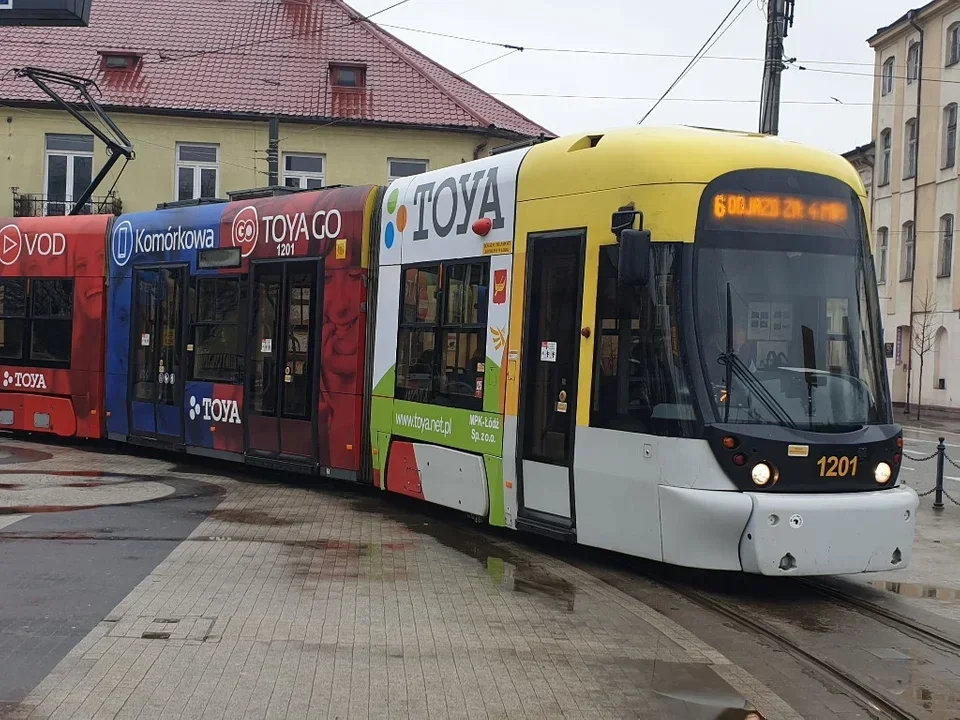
64, 569
183, 594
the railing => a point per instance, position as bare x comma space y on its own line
37, 205
941, 455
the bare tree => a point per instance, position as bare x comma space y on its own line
923, 334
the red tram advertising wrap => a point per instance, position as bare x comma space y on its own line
52, 313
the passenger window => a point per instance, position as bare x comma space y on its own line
218, 330
51, 335
12, 318
441, 351
640, 376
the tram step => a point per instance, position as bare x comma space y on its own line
548, 529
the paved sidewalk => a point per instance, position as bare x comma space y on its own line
289, 602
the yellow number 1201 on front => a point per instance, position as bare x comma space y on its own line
833, 466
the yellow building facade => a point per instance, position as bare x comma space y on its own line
348, 155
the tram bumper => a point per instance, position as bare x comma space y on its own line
829, 534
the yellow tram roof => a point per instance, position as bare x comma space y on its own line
636, 155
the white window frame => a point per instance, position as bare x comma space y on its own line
883, 244
886, 156
910, 141
197, 166
70, 192
391, 177
908, 251
886, 76
945, 248
949, 128
953, 45
913, 63
303, 176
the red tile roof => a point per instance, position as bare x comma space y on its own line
254, 57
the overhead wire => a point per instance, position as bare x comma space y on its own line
693, 61
492, 60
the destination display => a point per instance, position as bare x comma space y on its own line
780, 213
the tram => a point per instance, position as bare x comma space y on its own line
661, 342
52, 310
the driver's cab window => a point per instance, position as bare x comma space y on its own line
640, 376
441, 345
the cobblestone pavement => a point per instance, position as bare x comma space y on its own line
315, 602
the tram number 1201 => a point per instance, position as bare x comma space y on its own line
833, 466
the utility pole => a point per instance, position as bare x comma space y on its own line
779, 20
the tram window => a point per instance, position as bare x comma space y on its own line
442, 338
218, 335
12, 318
51, 320
640, 378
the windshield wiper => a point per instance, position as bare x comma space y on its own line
736, 365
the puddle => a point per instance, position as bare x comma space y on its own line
249, 517
696, 691
84, 484
10, 455
916, 590
10, 486
502, 565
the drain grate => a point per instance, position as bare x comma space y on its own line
151, 627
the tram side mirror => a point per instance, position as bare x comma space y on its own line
634, 263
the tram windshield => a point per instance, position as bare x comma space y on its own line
786, 310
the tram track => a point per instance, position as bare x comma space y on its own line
890, 618
877, 704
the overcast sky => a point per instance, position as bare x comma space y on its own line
824, 31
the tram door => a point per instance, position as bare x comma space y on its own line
549, 369
282, 385
156, 372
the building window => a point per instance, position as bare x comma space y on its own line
950, 135
36, 321
348, 76
885, 151
945, 254
69, 171
198, 174
907, 251
304, 171
398, 168
441, 353
910, 149
118, 61
913, 63
953, 44
883, 238
219, 330
886, 83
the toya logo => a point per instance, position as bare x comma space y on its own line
13, 242
283, 230
215, 410
31, 381
399, 223
499, 287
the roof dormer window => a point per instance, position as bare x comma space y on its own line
348, 76
119, 59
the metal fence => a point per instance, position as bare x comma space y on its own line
34, 205
941, 455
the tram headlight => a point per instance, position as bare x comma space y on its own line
761, 474
882, 473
